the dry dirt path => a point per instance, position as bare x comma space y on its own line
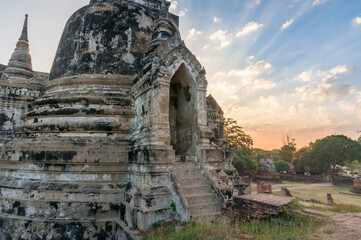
344, 226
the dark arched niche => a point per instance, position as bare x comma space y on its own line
183, 112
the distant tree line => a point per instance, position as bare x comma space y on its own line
325, 155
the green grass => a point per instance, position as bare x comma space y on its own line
320, 194
290, 225
345, 208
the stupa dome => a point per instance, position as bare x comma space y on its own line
107, 37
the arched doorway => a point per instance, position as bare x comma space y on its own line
183, 113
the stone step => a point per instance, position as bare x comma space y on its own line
201, 198
196, 189
203, 208
188, 173
206, 217
188, 182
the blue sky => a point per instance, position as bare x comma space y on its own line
279, 67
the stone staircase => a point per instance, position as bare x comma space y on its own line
201, 200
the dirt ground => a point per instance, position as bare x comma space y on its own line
344, 226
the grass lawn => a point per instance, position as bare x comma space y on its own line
320, 194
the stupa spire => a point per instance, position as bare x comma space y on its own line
24, 34
19, 68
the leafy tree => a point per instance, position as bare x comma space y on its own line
282, 166
288, 148
335, 150
241, 144
353, 165
302, 160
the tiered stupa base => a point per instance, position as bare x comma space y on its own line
356, 188
268, 176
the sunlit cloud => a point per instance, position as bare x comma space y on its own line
183, 12
249, 28
216, 20
254, 3
287, 24
297, 108
323, 116
341, 69
306, 76
356, 21
248, 78
205, 46
319, 2
270, 104
350, 108
221, 37
193, 34
203, 59
173, 5
323, 85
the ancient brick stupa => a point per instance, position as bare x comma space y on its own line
120, 133
356, 188
267, 171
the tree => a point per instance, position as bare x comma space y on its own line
353, 165
282, 166
333, 151
288, 148
302, 160
241, 144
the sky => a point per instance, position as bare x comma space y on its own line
278, 67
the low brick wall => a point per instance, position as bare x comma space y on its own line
305, 179
337, 180
343, 180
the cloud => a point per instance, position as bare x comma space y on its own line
356, 21
341, 69
248, 78
270, 104
249, 28
183, 12
287, 24
305, 76
221, 37
322, 85
254, 3
217, 20
173, 5
253, 70
249, 59
348, 107
203, 59
193, 34
322, 116
297, 108
318, 2
205, 46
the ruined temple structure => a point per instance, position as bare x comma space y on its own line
267, 171
356, 188
120, 133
